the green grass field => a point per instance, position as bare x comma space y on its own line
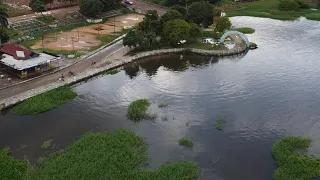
269, 9
245, 30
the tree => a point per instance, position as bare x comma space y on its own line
37, 6
4, 37
110, 4
91, 8
150, 22
201, 13
45, 2
223, 24
70, 1
170, 15
3, 17
130, 39
146, 40
181, 9
194, 30
176, 30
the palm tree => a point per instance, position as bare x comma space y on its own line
3, 17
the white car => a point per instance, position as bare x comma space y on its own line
128, 2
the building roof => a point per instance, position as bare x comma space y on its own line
43, 58
17, 52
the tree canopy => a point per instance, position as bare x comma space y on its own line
130, 39
194, 30
150, 22
91, 8
181, 9
3, 17
171, 15
201, 13
176, 30
223, 24
37, 6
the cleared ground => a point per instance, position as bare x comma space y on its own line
85, 38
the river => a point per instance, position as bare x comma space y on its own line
266, 94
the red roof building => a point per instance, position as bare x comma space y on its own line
17, 52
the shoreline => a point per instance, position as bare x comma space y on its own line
97, 69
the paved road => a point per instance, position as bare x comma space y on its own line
79, 67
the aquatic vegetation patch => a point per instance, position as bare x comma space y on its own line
112, 72
47, 144
162, 105
11, 168
45, 101
293, 163
186, 142
220, 123
109, 155
164, 118
137, 110
246, 30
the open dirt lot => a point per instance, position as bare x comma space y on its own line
86, 37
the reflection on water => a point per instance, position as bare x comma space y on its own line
265, 94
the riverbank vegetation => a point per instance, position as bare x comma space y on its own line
103, 155
293, 163
11, 168
45, 101
175, 29
220, 123
245, 30
138, 110
186, 142
275, 9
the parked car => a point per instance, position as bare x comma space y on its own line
128, 2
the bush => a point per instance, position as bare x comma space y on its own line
223, 24
304, 4
288, 5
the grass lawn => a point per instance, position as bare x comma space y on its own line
45, 101
269, 9
137, 110
104, 155
245, 30
292, 163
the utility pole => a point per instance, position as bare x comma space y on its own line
42, 43
72, 44
78, 33
114, 24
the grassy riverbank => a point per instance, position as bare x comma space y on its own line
268, 9
104, 155
11, 168
45, 101
289, 155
